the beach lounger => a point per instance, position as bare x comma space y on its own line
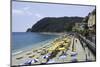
18, 58
31, 56
28, 53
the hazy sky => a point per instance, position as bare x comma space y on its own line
25, 14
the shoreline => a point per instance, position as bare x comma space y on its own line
39, 53
24, 52
60, 49
54, 33
33, 47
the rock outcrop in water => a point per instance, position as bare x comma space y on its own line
54, 24
28, 30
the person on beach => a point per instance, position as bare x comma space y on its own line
76, 41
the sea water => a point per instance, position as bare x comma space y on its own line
26, 40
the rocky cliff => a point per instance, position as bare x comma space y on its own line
92, 18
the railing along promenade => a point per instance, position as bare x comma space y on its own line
90, 44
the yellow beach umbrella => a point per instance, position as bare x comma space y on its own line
61, 49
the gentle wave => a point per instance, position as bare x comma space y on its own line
26, 41
15, 53
47, 42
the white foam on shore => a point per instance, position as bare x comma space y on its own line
15, 53
38, 45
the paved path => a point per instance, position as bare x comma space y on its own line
83, 52
89, 54
79, 49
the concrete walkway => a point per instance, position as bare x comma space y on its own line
81, 56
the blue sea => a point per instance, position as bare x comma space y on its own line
22, 41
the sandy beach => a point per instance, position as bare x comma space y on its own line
30, 54
25, 54
61, 49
